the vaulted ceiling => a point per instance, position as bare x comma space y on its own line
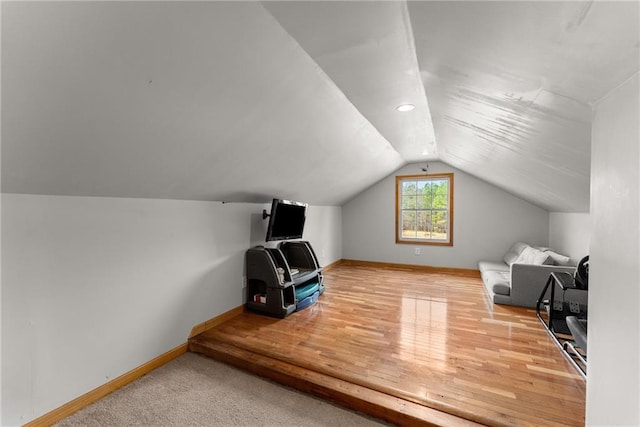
244, 101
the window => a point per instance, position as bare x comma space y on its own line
424, 209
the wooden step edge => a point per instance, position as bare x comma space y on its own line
479, 416
215, 321
371, 402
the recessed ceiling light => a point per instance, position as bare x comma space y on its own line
405, 107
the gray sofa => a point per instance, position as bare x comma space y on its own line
518, 279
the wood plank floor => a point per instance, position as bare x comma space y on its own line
412, 347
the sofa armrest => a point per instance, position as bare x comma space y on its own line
528, 280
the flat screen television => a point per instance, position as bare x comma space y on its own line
286, 221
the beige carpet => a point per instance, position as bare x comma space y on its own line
193, 390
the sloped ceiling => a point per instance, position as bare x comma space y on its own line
511, 86
244, 101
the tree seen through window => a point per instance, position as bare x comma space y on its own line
424, 209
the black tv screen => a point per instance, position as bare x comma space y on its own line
286, 221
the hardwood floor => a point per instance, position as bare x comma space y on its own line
412, 347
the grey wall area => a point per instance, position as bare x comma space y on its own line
322, 228
487, 221
95, 287
613, 376
570, 234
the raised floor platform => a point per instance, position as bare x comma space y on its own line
411, 347
344, 393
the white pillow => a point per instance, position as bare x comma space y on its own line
513, 254
532, 256
558, 258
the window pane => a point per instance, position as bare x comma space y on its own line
440, 186
423, 226
440, 201
409, 187
426, 188
408, 202
440, 225
409, 224
423, 202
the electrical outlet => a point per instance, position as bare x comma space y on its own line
574, 307
416, 251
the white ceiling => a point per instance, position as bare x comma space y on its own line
245, 101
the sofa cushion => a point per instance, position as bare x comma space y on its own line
532, 255
485, 266
502, 289
497, 281
515, 251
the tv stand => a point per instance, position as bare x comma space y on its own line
282, 280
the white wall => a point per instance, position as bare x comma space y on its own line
570, 234
95, 287
323, 229
613, 380
487, 221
